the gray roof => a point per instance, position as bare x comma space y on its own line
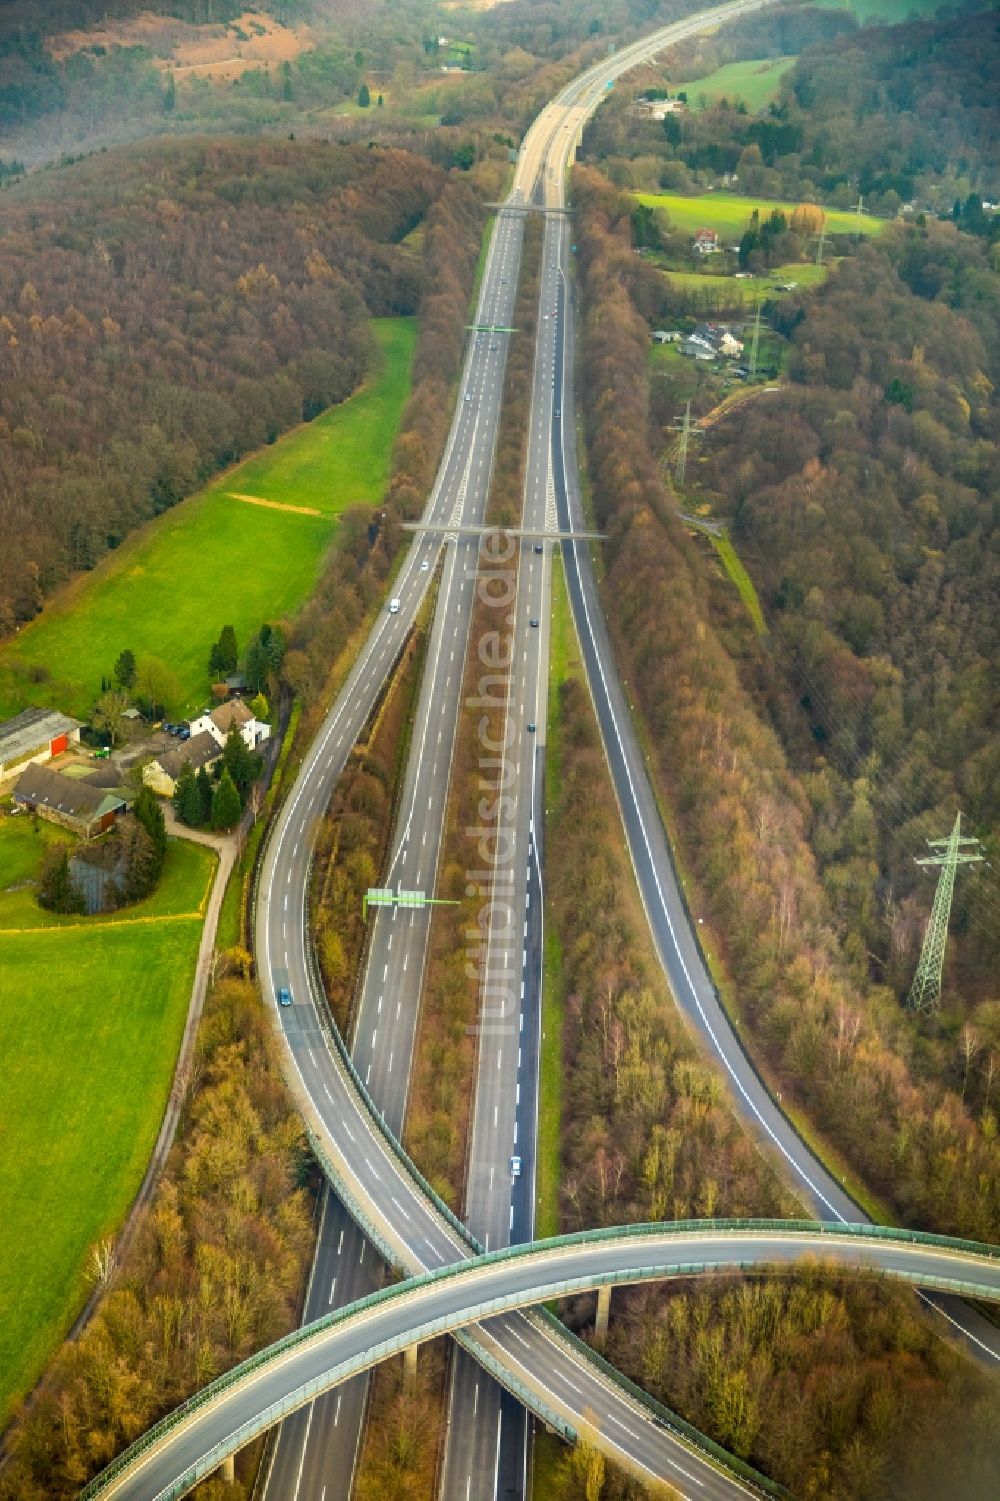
107, 776
32, 729
68, 795
201, 750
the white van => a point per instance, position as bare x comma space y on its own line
394, 607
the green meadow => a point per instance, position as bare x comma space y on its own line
216, 560
805, 274
756, 82
728, 213
91, 1017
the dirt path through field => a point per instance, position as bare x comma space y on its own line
273, 505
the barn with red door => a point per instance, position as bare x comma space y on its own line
34, 735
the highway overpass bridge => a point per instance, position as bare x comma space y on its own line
199, 1436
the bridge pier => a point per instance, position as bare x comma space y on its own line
410, 1367
227, 1469
603, 1309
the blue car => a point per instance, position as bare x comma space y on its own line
284, 996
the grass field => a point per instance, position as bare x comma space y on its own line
805, 274
215, 560
91, 1016
756, 82
737, 575
727, 213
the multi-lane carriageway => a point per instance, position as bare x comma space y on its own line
405, 1225
315, 1454
172, 1457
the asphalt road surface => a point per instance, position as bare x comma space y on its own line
314, 1455
226, 1418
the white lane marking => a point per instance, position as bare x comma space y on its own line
340, 1243
305, 1445
333, 1289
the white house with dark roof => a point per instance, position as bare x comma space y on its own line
33, 736
221, 720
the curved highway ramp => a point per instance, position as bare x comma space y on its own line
195, 1439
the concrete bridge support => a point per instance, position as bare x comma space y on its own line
603, 1309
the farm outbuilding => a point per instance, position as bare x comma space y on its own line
34, 735
73, 804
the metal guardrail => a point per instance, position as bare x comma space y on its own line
391, 1140
506, 1378
557, 1287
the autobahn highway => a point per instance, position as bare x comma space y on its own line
363, 1163
315, 1455
488, 1433
178, 1452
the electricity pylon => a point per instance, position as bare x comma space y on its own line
925, 992
686, 430
822, 242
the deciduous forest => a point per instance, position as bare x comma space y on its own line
167, 311
893, 1097
890, 113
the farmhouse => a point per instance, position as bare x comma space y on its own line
34, 735
706, 242
658, 109
667, 336
75, 805
710, 339
201, 750
221, 720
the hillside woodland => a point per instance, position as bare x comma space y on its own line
167, 311
872, 529
887, 1090
896, 114
835, 1390
126, 84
